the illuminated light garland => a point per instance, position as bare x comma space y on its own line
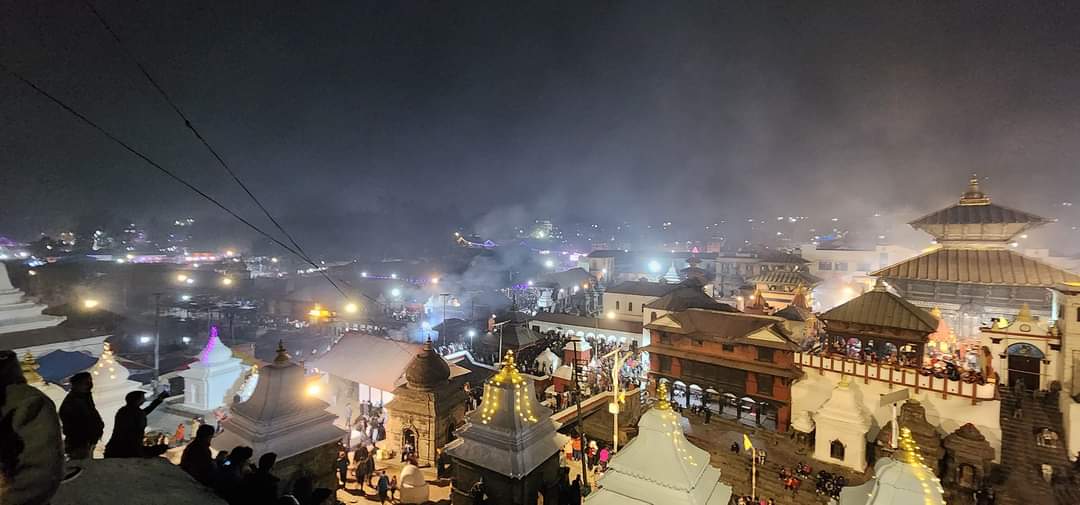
912, 457
509, 374
106, 360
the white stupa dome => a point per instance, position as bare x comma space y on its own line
108, 371
215, 352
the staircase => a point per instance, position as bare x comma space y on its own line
1022, 456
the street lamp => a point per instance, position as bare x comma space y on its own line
181, 278
395, 292
351, 308
90, 303
226, 281
144, 339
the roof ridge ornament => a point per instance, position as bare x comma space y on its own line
30, 369
973, 195
662, 397
282, 354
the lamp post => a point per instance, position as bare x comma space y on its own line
444, 296
580, 426
616, 384
157, 338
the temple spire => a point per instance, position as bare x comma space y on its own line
973, 195
282, 354
662, 397
30, 369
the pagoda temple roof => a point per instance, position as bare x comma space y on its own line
880, 308
975, 218
726, 327
688, 295
978, 266
787, 277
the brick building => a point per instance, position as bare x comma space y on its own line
737, 365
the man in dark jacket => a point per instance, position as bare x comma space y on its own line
83, 426
31, 451
262, 486
130, 426
196, 460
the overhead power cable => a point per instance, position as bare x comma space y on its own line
172, 175
221, 161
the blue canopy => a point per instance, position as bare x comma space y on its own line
57, 366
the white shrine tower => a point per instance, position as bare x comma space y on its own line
660, 467
842, 424
211, 381
111, 385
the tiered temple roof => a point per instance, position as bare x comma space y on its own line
974, 235
785, 278
881, 312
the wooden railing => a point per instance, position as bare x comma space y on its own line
898, 376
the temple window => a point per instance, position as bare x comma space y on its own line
824, 265
841, 266
765, 354
765, 384
728, 347
630, 307
836, 449
665, 363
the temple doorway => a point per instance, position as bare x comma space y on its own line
408, 443
1024, 365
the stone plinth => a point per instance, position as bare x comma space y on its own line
151, 481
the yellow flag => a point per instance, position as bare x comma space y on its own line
746, 442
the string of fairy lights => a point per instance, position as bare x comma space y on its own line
912, 456
672, 422
508, 375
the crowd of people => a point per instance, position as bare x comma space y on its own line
39, 443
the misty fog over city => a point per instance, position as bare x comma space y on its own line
590, 252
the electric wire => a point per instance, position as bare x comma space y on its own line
221, 161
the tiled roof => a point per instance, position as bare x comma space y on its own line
589, 322
784, 277
721, 325
793, 313
643, 288
978, 266
990, 213
688, 297
884, 309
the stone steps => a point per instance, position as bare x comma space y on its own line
1022, 457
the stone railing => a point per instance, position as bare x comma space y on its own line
897, 375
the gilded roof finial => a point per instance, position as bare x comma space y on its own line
282, 355
662, 397
1025, 314
973, 195
29, 369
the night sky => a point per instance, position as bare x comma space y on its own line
394, 122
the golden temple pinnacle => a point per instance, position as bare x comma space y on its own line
662, 397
